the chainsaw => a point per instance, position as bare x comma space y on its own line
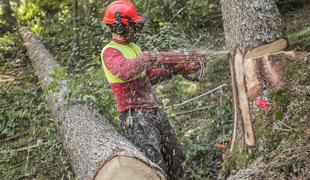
190, 64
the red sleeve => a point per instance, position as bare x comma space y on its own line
119, 66
157, 75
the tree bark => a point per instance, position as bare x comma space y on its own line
95, 149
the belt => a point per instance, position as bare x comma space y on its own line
153, 110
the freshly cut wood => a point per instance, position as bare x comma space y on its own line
131, 170
266, 49
95, 149
251, 78
239, 72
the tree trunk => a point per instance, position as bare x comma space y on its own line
95, 149
255, 37
252, 29
7, 14
75, 59
7, 11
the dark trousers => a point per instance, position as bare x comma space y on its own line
152, 133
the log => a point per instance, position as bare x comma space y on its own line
95, 149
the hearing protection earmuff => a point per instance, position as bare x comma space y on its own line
119, 27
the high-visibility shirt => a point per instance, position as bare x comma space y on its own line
130, 52
132, 92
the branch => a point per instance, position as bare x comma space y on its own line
204, 94
194, 110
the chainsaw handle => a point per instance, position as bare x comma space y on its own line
201, 72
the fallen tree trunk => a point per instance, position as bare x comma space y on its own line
95, 149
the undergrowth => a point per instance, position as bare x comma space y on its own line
30, 147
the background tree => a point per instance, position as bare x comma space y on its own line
7, 15
75, 59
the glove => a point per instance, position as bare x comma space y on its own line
186, 69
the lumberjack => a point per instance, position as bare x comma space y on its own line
131, 76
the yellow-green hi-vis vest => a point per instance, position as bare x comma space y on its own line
130, 52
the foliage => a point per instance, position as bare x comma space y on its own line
286, 6
30, 147
90, 88
166, 38
200, 131
187, 15
36, 11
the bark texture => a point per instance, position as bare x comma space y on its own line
251, 23
89, 139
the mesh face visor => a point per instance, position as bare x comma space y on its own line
139, 24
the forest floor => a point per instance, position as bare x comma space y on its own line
30, 147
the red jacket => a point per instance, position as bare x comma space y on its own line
136, 94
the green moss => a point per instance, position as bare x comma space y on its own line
280, 100
299, 34
238, 159
300, 39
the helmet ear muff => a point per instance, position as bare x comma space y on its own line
119, 27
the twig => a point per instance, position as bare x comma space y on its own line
281, 129
90, 65
204, 94
170, 21
191, 111
27, 162
15, 166
300, 40
50, 150
45, 154
289, 127
4, 109
14, 137
25, 148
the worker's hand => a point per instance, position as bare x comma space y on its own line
186, 69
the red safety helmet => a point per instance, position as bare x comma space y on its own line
123, 11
